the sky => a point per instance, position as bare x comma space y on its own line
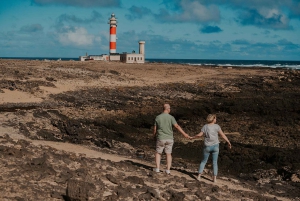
171, 29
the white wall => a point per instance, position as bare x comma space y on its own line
132, 58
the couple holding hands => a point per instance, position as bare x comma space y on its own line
163, 133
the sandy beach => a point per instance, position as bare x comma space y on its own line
71, 130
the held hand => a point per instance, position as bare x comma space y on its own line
187, 136
194, 137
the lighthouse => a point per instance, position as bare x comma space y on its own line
113, 55
112, 34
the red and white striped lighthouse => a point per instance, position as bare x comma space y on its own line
113, 34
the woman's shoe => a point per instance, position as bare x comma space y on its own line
215, 179
199, 177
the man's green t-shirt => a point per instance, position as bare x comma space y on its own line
164, 123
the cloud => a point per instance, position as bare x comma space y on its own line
33, 28
66, 23
269, 14
288, 45
95, 17
172, 4
80, 3
295, 9
261, 50
265, 18
210, 29
76, 36
272, 47
291, 6
241, 42
190, 11
137, 12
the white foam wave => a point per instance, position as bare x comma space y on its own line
297, 67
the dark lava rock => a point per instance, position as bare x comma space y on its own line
78, 190
103, 143
57, 195
199, 193
112, 179
191, 185
145, 196
48, 135
124, 192
50, 79
153, 192
109, 168
23, 129
215, 189
63, 177
135, 180
176, 196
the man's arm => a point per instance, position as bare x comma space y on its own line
154, 132
181, 131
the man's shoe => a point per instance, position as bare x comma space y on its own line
156, 170
168, 171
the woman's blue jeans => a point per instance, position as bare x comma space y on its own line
207, 150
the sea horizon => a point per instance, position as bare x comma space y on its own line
289, 64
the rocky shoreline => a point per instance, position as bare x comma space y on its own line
110, 108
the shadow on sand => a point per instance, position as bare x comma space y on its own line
192, 175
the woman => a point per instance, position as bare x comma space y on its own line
211, 130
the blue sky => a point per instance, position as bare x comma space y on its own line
183, 29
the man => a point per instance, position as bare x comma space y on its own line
163, 133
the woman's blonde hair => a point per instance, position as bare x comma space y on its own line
210, 118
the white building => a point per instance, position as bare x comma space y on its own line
133, 57
114, 57
102, 57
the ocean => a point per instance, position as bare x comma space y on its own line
198, 62
232, 63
